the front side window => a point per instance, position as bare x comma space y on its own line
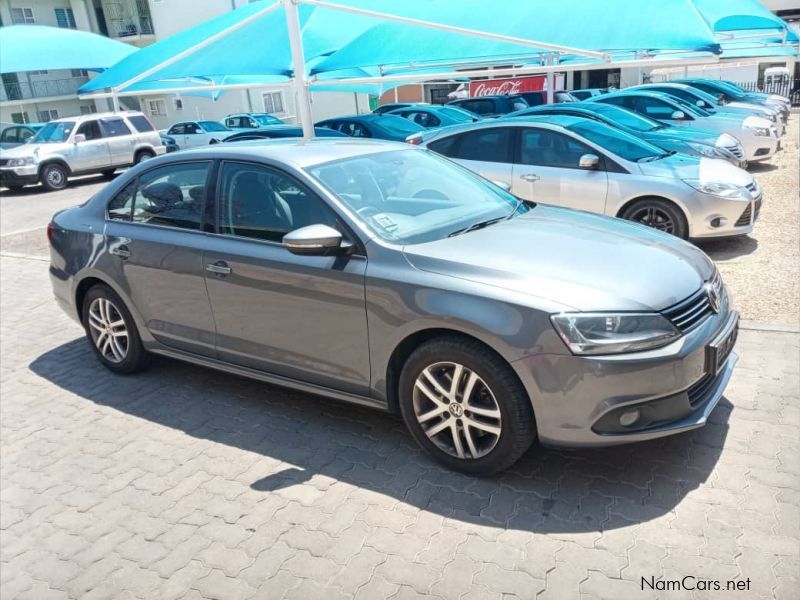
485, 145
655, 109
192, 129
91, 129
627, 118
546, 148
54, 132
261, 203
172, 195
114, 127
179, 129
212, 126
414, 196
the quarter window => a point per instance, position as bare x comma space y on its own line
550, 149
172, 195
264, 204
485, 145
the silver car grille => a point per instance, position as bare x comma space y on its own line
736, 150
689, 313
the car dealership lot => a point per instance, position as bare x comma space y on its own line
183, 481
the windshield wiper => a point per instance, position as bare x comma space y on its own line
520, 203
478, 225
656, 156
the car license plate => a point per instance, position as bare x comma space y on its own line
719, 350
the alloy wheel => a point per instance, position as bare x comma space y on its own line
457, 410
108, 330
654, 217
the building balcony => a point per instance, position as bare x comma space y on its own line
12, 91
126, 20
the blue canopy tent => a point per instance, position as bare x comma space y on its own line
371, 43
40, 48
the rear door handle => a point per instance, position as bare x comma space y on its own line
530, 177
220, 268
121, 251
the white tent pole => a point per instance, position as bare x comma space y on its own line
302, 98
114, 101
550, 61
209, 40
462, 30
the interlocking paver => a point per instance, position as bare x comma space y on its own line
182, 482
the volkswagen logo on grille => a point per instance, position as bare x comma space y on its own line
713, 297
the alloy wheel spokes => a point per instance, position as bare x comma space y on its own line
108, 330
457, 410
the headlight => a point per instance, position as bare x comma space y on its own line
613, 333
728, 191
706, 150
21, 162
759, 131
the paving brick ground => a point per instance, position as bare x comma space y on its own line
187, 483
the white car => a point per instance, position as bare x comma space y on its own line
248, 121
586, 165
191, 134
758, 136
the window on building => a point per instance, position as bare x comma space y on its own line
38, 72
79, 72
65, 18
177, 103
48, 115
157, 108
20, 117
22, 16
273, 102
87, 109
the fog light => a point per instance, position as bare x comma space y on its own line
629, 417
716, 222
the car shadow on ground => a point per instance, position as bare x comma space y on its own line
546, 491
33, 190
728, 248
761, 167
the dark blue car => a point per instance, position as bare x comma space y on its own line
279, 131
381, 127
435, 116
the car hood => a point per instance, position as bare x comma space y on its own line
21, 151
683, 166
578, 260
686, 135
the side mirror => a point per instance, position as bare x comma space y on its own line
314, 240
589, 161
506, 187
79, 138
678, 115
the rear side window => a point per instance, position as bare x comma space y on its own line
485, 145
141, 123
443, 146
114, 127
551, 149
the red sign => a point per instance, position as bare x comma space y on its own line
491, 87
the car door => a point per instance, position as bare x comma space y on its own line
178, 131
546, 170
92, 153
156, 241
301, 317
487, 151
121, 141
195, 136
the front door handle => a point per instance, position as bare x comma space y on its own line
219, 268
530, 177
121, 251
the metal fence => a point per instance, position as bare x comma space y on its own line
790, 88
22, 90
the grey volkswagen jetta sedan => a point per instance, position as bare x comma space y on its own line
388, 276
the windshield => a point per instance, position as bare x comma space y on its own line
620, 143
564, 97
398, 125
54, 132
265, 119
414, 196
213, 126
627, 118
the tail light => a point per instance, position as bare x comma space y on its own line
50, 228
415, 139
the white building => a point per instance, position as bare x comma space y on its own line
43, 95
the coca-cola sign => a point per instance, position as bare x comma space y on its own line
503, 87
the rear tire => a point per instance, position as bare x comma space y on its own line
112, 332
143, 155
659, 214
53, 177
480, 426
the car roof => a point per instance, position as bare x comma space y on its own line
639, 92
102, 115
296, 152
548, 121
487, 97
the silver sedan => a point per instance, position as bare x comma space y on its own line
385, 275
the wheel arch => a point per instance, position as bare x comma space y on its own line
54, 160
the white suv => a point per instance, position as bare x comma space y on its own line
96, 143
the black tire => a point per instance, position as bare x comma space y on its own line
659, 214
135, 356
143, 155
109, 173
53, 177
517, 424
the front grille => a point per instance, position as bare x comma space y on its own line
3, 162
692, 311
745, 218
736, 150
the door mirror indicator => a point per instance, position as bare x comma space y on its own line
79, 138
678, 115
589, 161
314, 240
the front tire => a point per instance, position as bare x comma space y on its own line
658, 214
112, 332
53, 177
465, 405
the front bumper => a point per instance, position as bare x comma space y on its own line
713, 217
758, 148
578, 399
13, 176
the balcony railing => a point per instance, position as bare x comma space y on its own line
22, 90
128, 18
